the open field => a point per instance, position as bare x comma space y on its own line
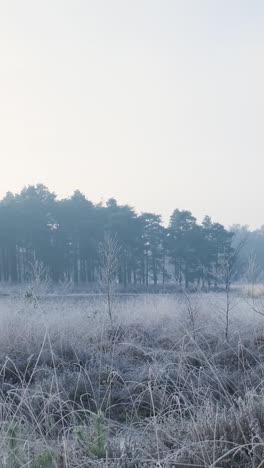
161, 386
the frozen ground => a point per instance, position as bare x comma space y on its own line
161, 386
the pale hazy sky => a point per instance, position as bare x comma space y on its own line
158, 103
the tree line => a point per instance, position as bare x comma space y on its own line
67, 236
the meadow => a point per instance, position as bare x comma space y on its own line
163, 385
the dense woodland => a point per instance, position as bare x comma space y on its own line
67, 236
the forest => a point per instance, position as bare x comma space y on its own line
67, 237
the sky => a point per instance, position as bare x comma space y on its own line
157, 103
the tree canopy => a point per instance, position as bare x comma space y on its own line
65, 235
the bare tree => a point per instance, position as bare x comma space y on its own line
229, 270
253, 274
109, 268
192, 313
39, 281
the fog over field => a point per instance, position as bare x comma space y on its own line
131, 234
